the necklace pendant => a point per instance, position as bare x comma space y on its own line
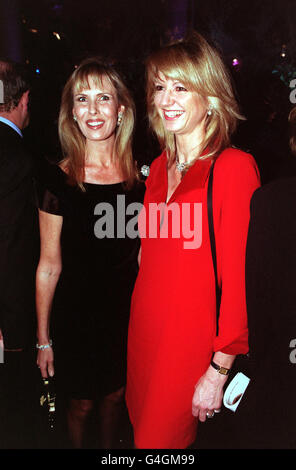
180, 166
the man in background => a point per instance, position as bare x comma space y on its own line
266, 416
19, 249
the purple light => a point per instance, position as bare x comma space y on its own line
235, 62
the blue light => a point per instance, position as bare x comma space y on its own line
37, 71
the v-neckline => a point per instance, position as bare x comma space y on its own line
168, 200
206, 164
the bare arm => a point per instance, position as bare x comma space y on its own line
47, 276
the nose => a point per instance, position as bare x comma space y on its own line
92, 106
167, 98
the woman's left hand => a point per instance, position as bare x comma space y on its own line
208, 395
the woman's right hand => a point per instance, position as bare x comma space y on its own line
45, 362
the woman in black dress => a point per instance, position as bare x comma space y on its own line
89, 247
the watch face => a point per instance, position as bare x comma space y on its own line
221, 370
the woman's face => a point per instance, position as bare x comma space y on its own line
182, 111
96, 110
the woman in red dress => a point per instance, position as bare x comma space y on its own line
177, 364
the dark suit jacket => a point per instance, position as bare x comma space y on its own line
18, 240
267, 412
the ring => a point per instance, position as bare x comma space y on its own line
210, 416
217, 411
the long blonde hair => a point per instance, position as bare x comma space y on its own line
197, 65
73, 141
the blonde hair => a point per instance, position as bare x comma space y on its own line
73, 141
197, 65
292, 121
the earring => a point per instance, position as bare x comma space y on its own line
119, 119
75, 118
210, 110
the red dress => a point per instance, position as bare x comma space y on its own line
172, 330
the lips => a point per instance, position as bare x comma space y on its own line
94, 124
171, 115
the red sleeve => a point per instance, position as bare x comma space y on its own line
236, 177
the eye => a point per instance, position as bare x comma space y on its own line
180, 88
158, 87
104, 98
81, 99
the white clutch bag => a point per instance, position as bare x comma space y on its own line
235, 391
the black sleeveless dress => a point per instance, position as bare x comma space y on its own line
90, 312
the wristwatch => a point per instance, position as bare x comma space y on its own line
220, 369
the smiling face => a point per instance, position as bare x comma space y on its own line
183, 112
96, 109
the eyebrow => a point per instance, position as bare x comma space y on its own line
80, 93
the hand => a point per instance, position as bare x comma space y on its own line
45, 362
208, 394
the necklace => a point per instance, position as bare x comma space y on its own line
182, 166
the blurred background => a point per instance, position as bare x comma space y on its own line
256, 38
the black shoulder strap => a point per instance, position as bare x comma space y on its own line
213, 243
